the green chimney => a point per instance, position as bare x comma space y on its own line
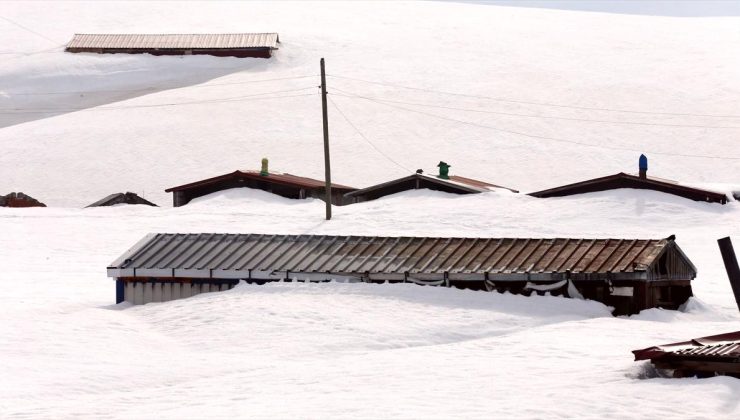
264, 171
444, 170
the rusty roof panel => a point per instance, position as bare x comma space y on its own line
394, 255
623, 180
273, 177
174, 41
711, 347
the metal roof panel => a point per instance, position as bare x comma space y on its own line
358, 255
174, 41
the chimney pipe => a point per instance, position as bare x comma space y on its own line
733, 271
264, 171
444, 170
643, 166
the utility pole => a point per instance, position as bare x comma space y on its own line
327, 165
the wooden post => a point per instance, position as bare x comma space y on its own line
327, 165
733, 271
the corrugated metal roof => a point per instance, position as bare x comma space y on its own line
175, 41
477, 183
276, 177
715, 346
233, 255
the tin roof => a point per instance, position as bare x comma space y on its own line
455, 183
175, 41
623, 180
273, 177
715, 346
478, 183
248, 255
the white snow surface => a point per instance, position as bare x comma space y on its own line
355, 350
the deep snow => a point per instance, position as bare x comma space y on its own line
594, 60
356, 350
348, 350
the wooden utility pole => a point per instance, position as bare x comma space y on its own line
733, 270
327, 165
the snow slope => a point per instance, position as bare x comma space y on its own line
355, 350
348, 350
652, 64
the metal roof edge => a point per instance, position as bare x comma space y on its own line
430, 178
623, 175
132, 250
539, 194
253, 175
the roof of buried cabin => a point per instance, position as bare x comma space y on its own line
272, 177
174, 41
214, 255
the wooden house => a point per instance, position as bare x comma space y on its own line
223, 45
628, 274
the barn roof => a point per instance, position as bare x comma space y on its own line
273, 177
253, 255
623, 180
174, 41
456, 183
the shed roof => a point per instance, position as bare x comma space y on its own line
273, 177
714, 345
248, 255
455, 182
623, 180
174, 41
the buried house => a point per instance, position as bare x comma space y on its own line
121, 198
282, 184
627, 274
640, 181
222, 45
442, 182
18, 199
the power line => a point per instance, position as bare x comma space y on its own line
152, 88
364, 137
533, 102
555, 139
29, 30
234, 99
536, 116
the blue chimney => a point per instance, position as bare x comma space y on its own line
643, 166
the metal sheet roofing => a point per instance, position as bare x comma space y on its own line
276, 177
250, 255
715, 346
175, 41
457, 183
477, 183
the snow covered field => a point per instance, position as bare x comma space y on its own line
356, 350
